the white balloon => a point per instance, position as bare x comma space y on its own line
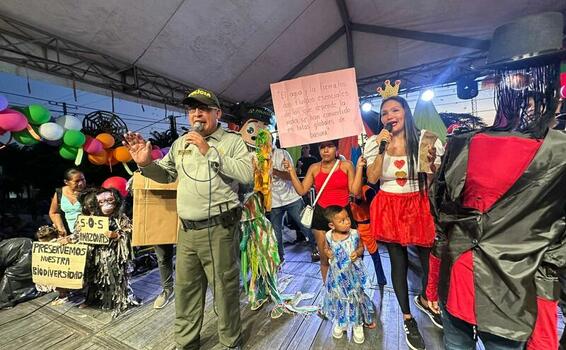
69, 122
51, 131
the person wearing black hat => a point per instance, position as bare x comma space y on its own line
499, 204
209, 162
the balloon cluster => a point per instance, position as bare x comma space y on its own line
33, 124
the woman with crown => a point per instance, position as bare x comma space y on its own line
403, 159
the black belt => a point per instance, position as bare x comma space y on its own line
226, 218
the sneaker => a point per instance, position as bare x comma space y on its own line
338, 332
412, 335
359, 334
163, 299
434, 317
256, 305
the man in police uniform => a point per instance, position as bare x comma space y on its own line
209, 163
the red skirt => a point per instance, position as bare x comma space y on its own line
402, 218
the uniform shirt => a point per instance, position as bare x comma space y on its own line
282, 192
205, 179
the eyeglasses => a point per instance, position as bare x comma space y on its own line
203, 108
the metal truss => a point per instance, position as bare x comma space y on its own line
26, 46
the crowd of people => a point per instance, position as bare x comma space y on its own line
485, 214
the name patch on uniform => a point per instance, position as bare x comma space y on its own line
185, 152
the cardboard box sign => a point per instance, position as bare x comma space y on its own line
92, 229
57, 265
155, 219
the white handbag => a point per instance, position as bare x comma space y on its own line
308, 211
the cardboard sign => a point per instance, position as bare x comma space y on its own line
58, 265
92, 229
317, 108
155, 219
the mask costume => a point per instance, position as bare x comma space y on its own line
112, 263
499, 204
260, 259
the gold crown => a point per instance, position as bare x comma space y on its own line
390, 90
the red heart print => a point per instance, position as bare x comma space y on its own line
401, 181
399, 163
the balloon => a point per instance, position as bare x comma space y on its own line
69, 122
118, 183
67, 152
37, 114
24, 137
122, 154
154, 147
110, 158
12, 120
92, 145
156, 154
98, 158
165, 150
563, 91
74, 138
3, 102
51, 131
106, 139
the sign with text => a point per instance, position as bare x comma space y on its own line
58, 265
92, 229
317, 108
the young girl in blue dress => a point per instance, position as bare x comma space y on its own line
345, 302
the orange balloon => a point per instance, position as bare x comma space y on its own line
98, 158
111, 160
107, 140
122, 154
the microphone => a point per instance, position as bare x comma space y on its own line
198, 127
383, 143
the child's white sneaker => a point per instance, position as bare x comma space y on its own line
359, 334
338, 332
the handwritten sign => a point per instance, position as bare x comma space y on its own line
58, 265
317, 108
92, 229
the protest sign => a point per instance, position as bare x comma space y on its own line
92, 229
58, 265
317, 108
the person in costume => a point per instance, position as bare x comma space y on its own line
109, 266
499, 204
337, 191
261, 248
400, 214
345, 303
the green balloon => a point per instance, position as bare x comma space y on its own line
67, 152
37, 114
24, 137
74, 138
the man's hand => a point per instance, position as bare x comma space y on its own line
139, 148
194, 138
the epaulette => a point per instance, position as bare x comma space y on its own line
232, 132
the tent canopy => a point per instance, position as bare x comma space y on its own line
237, 48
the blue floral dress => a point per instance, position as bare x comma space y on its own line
345, 302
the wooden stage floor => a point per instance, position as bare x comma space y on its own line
38, 325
